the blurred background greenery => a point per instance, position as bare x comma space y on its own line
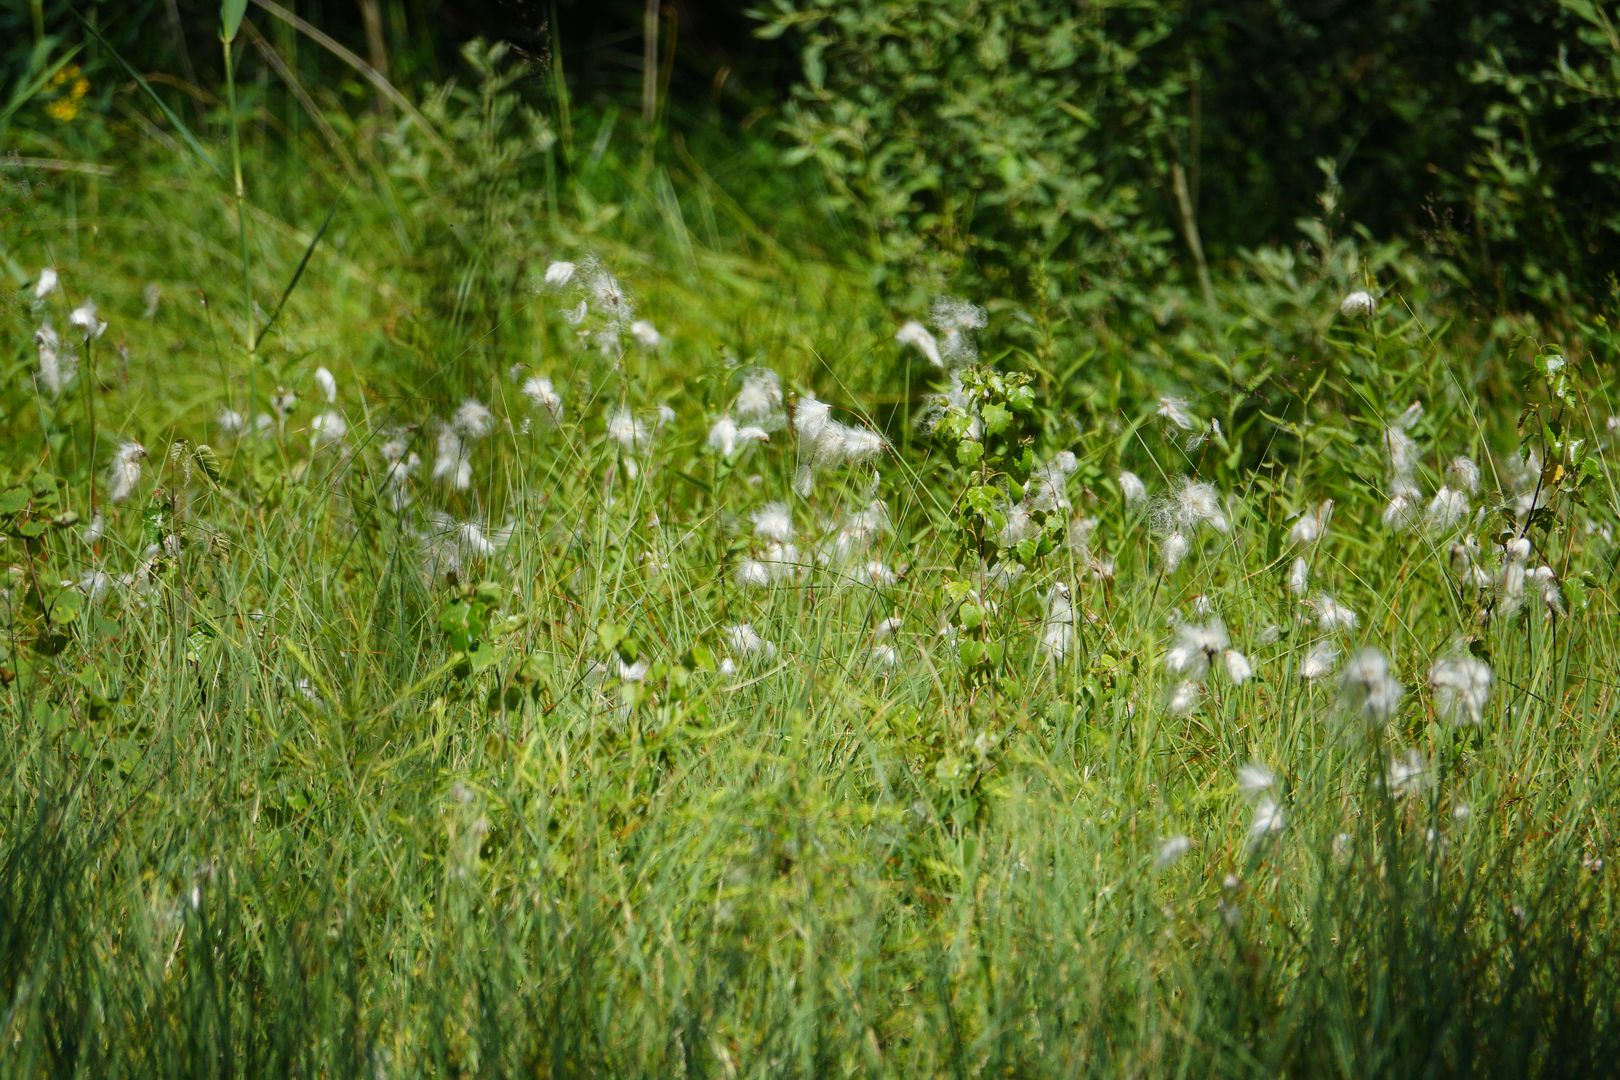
1119, 145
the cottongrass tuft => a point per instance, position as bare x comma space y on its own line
1462, 687
1358, 304
124, 474
1057, 630
916, 335
1171, 849
57, 367
544, 396
1367, 688
1131, 488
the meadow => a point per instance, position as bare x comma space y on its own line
483, 596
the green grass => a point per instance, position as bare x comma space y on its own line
261, 816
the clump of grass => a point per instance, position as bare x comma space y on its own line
472, 698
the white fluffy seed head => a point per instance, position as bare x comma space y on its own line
773, 521
916, 335
1268, 819
473, 420
1462, 687
57, 366
1255, 780
760, 396
84, 320
1311, 523
1171, 849
1318, 661
1131, 488
327, 385
1358, 304
645, 334
125, 472
1369, 691
1196, 647
540, 391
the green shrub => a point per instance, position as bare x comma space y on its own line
1002, 133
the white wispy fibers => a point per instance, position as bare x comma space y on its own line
1311, 523
1464, 556
884, 654
1545, 582
625, 429
1057, 629
825, 442
1408, 773
328, 428
46, 284
746, 643
1512, 576
83, 319
1358, 304
1368, 690
1461, 687
645, 334
1131, 488
1255, 780
1268, 819
473, 420
450, 464
1196, 503
1319, 661
544, 396
327, 385
726, 438
1048, 488
1193, 504
560, 273
1446, 510
449, 546
124, 474
916, 335
849, 539
759, 399
401, 465
1171, 849
1184, 697
957, 322
283, 403
1173, 550
1299, 577
773, 521
1176, 414
1258, 784
57, 366
1404, 506
1333, 616
1199, 646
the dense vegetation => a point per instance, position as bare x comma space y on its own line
987, 541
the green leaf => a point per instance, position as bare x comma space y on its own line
996, 418
67, 606
231, 13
